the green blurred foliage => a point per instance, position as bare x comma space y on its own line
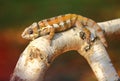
23, 12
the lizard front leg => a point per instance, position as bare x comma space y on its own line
51, 34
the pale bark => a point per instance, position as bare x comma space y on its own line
110, 27
39, 54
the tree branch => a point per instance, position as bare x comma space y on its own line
110, 27
38, 55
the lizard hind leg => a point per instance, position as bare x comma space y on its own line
87, 38
98, 31
85, 34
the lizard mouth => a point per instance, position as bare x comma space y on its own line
25, 36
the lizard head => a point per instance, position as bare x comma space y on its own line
31, 32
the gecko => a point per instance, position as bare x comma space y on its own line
61, 23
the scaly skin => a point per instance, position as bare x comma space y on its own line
61, 23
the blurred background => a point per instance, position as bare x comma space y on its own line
16, 15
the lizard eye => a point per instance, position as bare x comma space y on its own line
30, 31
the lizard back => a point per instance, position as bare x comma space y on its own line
60, 23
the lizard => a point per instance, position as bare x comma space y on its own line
61, 23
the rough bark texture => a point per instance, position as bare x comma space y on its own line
100, 63
38, 55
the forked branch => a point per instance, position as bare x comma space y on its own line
38, 55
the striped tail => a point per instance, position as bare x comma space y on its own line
100, 34
98, 30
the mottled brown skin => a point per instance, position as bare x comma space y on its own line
61, 23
